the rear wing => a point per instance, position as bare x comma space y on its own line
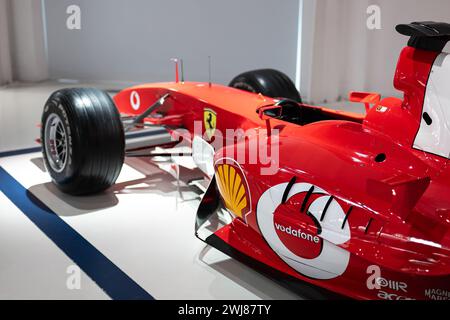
428, 35
423, 74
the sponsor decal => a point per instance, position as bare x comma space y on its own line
387, 289
297, 233
382, 109
391, 284
135, 100
308, 241
437, 294
210, 122
302, 243
391, 296
233, 188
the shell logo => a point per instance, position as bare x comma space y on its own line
233, 188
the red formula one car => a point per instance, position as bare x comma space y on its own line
358, 205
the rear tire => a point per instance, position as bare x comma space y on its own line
268, 82
83, 140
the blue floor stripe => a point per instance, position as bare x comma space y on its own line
99, 268
19, 152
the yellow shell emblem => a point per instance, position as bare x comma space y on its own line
233, 189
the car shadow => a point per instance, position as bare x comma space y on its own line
67, 205
154, 181
246, 277
263, 286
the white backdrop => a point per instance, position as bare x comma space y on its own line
22, 41
5, 54
131, 41
345, 55
134, 40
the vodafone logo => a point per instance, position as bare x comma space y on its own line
303, 243
135, 100
297, 233
295, 237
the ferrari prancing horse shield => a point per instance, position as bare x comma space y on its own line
210, 121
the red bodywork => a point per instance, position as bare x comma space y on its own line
386, 204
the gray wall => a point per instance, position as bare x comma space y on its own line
22, 42
132, 41
5, 50
28, 41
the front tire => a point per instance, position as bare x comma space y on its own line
83, 140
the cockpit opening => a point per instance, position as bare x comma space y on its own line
302, 114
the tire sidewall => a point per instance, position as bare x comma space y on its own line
245, 84
269, 82
55, 106
95, 140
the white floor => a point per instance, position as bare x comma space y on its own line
142, 225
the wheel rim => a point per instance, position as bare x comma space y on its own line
56, 143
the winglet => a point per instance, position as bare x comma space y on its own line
426, 35
401, 192
368, 98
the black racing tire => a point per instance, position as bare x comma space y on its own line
83, 140
269, 82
